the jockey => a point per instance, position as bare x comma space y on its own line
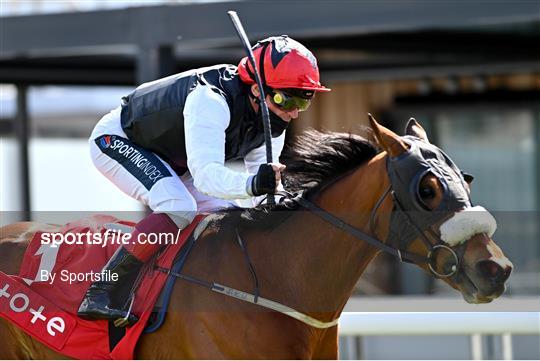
167, 143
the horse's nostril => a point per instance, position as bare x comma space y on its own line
493, 270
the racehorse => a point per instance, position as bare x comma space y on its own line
400, 195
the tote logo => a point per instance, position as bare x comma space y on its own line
19, 303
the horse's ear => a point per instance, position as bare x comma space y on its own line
415, 129
387, 139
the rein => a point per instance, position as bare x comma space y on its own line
254, 299
357, 233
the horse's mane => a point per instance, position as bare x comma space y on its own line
314, 160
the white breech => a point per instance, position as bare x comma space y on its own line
171, 194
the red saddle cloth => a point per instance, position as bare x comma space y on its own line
46, 307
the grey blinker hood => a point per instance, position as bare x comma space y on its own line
405, 172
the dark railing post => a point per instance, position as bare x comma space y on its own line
22, 131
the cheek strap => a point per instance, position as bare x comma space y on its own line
467, 223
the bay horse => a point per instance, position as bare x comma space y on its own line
308, 252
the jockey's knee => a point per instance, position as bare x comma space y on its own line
170, 196
181, 212
181, 219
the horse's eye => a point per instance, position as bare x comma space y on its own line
427, 192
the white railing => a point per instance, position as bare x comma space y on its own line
474, 324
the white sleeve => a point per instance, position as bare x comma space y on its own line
206, 117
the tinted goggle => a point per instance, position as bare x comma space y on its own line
287, 101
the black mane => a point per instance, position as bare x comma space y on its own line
314, 160
317, 158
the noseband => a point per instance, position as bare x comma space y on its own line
411, 219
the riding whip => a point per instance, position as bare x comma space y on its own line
264, 107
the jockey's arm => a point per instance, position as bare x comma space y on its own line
206, 117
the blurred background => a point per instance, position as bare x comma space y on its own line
469, 71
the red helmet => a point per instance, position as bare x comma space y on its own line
285, 64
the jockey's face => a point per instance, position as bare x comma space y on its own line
285, 115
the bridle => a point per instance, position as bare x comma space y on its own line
401, 217
402, 255
433, 248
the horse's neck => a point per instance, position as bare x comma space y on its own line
313, 266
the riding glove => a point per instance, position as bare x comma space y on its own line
264, 181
